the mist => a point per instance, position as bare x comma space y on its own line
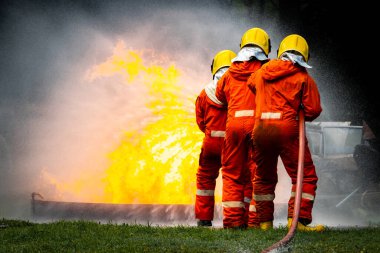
53, 121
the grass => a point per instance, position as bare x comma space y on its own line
88, 236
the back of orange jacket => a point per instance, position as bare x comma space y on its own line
232, 88
209, 116
281, 99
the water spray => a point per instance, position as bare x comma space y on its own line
348, 196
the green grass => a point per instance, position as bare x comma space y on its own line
86, 236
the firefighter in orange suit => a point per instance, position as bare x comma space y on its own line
237, 162
211, 117
282, 86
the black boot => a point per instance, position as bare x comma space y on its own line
204, 223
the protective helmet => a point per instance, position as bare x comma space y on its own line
222, 59
257, 37
294, 42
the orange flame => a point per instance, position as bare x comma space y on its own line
156, 164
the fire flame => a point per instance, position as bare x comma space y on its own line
157, 163
155, 158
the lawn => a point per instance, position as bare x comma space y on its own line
88, 236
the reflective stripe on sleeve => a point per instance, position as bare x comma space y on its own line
205, 192
271, 115
266, 197
247, 200
233, 204
304, 196
244, 113
218, 133
252, 208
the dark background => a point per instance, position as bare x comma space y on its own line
345, 32
343, 45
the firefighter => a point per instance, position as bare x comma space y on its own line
237, 162
211, 117
282, 87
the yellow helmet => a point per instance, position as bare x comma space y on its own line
222, 59
258, 37
294, 42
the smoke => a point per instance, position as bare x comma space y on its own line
53, 121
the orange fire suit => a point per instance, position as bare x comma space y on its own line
211, 119
237, 162
280, 88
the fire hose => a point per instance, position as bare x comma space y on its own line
283, 243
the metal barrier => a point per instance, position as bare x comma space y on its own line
333, 139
